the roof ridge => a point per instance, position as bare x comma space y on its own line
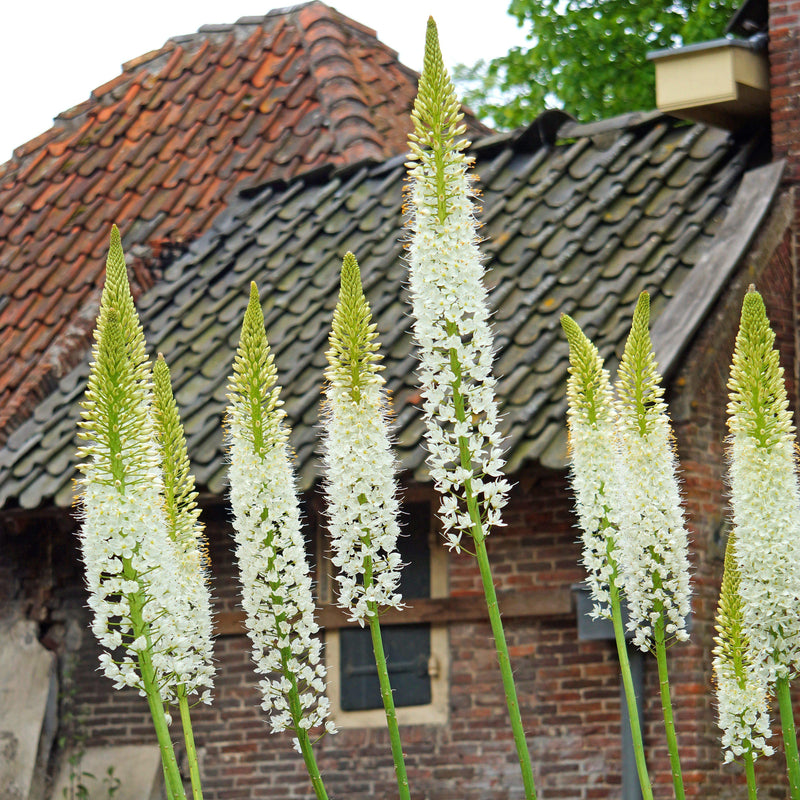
331, 66
631, 119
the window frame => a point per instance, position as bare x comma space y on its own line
437, 711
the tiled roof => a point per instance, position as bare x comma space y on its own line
158, 150
579, 224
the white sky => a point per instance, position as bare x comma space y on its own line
54, 52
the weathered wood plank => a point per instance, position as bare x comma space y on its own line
536, 604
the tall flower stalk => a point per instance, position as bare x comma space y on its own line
276, 586
766, 512
186, 532
742, 698
652, 538
455, 344
142, 616
591, 420
360, 486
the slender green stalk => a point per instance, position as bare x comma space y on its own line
386, 687
172, 775
297, 713
630, 694
311, 764
388, 705
505, 663
789, 735
750, 773
191, 750
490, 594
666, 706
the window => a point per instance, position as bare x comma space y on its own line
416, 649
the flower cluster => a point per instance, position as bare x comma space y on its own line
276, 587
131, 560
450, 309
764, 495
591, 420
652, 537
360, 485
185, 530
741, 690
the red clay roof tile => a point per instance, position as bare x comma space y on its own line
160, 147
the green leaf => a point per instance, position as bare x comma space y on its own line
588, 57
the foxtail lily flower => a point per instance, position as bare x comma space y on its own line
741, 690
186, 531
591, 418
652, 537
451, 311
764, 494
276, 586
360, 486
131, 560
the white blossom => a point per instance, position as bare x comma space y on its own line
276, 586
451, 312
742, 697
764, 495
191, 580
652, 538
130, 559
591, 418
360, 471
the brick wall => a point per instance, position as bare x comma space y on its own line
784, 56
569, 689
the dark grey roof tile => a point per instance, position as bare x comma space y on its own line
579, 227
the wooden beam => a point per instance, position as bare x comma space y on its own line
533, 604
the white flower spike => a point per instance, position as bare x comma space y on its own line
652, 537
764, 494
185, 529
591, 418
276, 587
742, 697
130, 558
360, 471
451, 311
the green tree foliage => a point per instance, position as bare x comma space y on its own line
586, 56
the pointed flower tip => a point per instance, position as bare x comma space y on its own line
351, 274
576, 338
432, 48
754, 301
253, 310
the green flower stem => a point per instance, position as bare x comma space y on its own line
666, 706
630, 694
296, 710
505, 663
311, 764
750, 773
386, 690
789, 736
191, 750
490, 594
172, 775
